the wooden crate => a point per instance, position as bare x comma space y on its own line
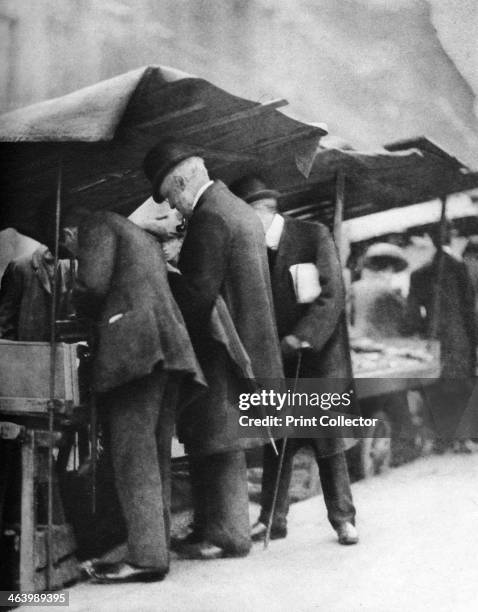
25, 375
27, 554
65, 566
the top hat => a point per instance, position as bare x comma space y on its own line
163, 157
384, 254
251, 188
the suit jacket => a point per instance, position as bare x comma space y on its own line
25, 299
224, 254
457, 327
321, 323
122, 282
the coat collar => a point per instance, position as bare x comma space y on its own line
274, 233
211, 188
286, 242
199, 194
42, 264
43, 267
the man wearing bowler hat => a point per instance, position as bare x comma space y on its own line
310, 312
224, 255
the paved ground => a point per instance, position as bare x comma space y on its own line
418, 552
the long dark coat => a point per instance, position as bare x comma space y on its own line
321, 323
122, 280
224, 254
457, 327
448, 398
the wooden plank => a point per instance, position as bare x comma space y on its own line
27, 537
171, 116
43, 483
309, 208
10, 431
25, 368
248, 113
64, 545
72, 374
8, 448
33, 406
437, 285
63, 573
339, 209
286, 139
43, 438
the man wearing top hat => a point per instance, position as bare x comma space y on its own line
311, 320
224, 255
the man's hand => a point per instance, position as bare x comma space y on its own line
290, 344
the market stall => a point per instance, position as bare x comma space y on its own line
86, 149
347, 184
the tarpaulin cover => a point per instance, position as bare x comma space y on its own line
414, 172
100, 135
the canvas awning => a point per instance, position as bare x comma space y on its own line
101, 134
416, 171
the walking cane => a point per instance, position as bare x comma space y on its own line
281, 457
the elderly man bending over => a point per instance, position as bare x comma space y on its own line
223, 254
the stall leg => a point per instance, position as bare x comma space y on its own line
27, 538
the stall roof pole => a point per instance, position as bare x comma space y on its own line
51, 403
339, 208
436, 303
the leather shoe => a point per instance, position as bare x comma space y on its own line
177, 544
122, 572
347, 534
258, 532
199, 550
208, 551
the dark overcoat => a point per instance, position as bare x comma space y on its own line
457, 326
224, 254
321, 323
25, 299
122, 280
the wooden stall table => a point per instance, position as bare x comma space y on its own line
24, 407
390, 376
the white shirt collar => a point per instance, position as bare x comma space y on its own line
201, 191
274, 233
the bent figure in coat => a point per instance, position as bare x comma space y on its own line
142, 357
223, 255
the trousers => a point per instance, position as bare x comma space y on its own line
220, 500
334, 479
140, 417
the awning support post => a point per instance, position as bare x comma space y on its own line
339, 208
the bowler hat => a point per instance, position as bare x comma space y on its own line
163, 157
252, 188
